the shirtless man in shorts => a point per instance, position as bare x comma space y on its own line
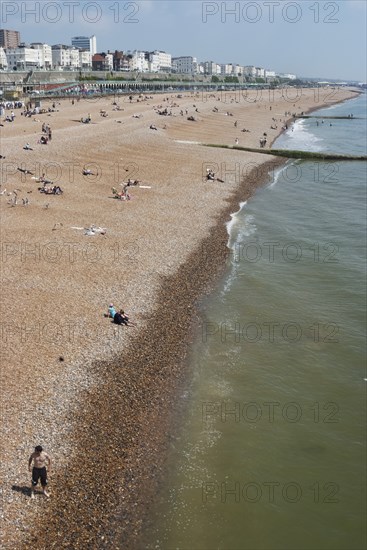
39, 472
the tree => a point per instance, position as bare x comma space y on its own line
232, 79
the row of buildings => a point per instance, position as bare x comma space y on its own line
82, 55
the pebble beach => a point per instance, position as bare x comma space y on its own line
103, 399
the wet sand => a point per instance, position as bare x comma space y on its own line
102, 400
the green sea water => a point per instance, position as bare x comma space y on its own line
271, 451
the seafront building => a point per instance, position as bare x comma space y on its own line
102, 62
85, 43
250, 71
33, 56
185, 64
230, 69
65, 56
287, 76
121, 61
42, 56
270, 74
237, 70
3, 60
225, 69
210, 67
138, 61
82, 55
9, 39
68, 57
159, 62
85, 60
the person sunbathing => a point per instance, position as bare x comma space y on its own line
123, 195
44, 180
121, 318
25, 171
210, 176
87, 172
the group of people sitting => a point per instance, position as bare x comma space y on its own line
164, 112
119, 317
54, 190
122, 195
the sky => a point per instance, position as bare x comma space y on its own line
322, 39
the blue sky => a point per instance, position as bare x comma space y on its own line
308, 38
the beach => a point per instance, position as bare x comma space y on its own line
102, 399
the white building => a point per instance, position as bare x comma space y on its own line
260, 72
225, 69
138, 61
85, 59
250, 70
287, 76
237, 70
185, 64
22, 58
74, 57
270, 74
200, 68
3, 59
153, 62
109, 61
210, 67
159, 61
44, 54
165, 61
65, 57
85, 43
34, 56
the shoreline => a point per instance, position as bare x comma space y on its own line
136, 401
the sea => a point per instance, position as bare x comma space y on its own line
270, 453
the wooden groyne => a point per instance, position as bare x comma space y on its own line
341, 117
290, 153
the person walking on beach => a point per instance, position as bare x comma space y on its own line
39, 472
